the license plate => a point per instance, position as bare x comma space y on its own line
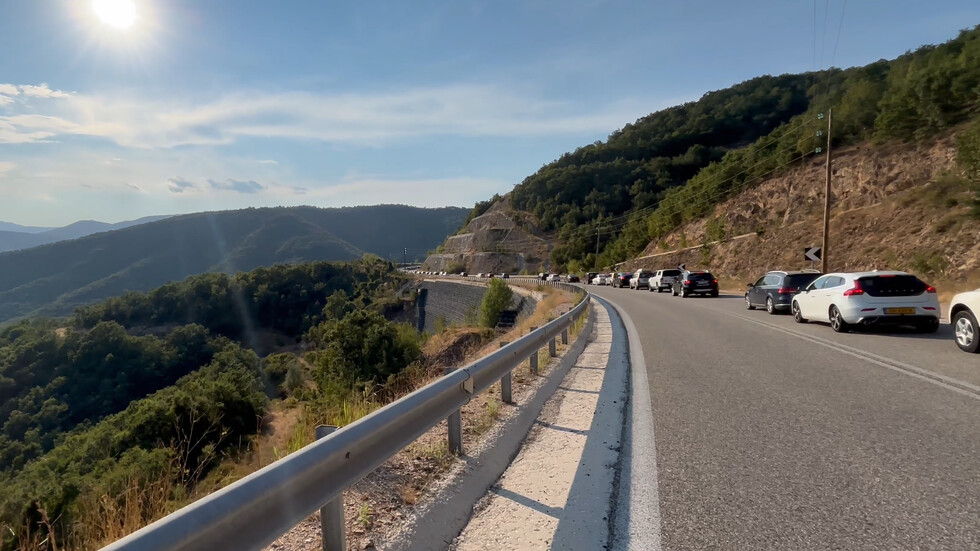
703, 284
900, 310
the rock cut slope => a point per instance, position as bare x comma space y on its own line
500, 240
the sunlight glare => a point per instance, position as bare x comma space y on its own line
116, 13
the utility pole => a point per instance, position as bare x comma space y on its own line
825, 249
405, 257
595, 264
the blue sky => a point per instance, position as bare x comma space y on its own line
222, 104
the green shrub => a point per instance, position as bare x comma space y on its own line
495, 301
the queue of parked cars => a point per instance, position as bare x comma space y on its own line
845, 300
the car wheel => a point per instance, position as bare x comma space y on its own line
770, 307
966, 331
748, 303
930, 326
797, 313
714, 294
683, 293
837, 322
659, 289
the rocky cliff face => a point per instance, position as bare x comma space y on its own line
500, 240
894, 206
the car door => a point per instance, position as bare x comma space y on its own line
809, 299
755, 292
769, 286
825, 296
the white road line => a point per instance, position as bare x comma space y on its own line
638, 523
897, 366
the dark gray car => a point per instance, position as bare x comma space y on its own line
775, 290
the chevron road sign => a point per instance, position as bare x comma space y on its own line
811, 253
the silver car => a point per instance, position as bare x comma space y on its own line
641, 279
663, 280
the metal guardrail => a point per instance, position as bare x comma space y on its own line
252, 512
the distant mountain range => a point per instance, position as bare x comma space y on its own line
15, 237
52, 279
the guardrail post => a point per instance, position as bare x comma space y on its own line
506, 393
552, 348
455, 425
564, 336
332, 514
533, 359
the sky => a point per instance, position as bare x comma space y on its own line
149, 107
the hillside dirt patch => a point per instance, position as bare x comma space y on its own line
894, 207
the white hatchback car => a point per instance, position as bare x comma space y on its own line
600, 279
868, 298
963, 312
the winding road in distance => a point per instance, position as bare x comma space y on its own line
777, 435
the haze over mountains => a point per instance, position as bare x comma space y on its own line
14, 237
54, 278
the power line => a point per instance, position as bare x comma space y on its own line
840, 25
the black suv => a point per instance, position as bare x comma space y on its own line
621, 280
775, 290
690, 283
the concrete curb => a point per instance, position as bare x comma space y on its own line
437, 523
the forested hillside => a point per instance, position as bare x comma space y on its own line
53, 279
134, 400
674, 165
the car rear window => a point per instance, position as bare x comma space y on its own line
892, 286
673, 273
800, 280
646, 274
705, 276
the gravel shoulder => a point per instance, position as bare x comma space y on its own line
557, 493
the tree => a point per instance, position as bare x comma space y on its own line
495, 301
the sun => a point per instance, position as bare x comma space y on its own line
120, 14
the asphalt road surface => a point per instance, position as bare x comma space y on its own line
777, 435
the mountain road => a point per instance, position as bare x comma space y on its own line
777, 435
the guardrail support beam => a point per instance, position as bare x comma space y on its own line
532, 361
506, 388
455, 425
332, 514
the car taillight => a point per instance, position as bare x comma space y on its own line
930, 289
687, 282
714, 281
787, 290
856, 290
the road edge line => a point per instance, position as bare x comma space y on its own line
641, 527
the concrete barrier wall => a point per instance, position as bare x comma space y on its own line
453, 302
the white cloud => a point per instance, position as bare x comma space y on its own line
4, 100
32, 128
9, 90
362, 119
267, 162
42, 91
